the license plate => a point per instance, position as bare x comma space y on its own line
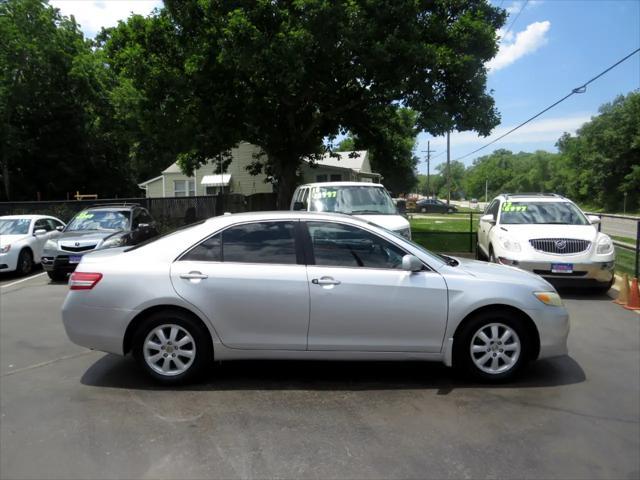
75, 258
562, 268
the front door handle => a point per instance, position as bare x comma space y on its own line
193, 276
325, 281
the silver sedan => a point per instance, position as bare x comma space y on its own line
297, 285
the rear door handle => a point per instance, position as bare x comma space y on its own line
325, 281
193, 276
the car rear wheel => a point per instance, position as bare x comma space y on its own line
172, 347
492, 347
25, 262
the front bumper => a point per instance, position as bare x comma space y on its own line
8, 261
587, 273
59, 263
552, 324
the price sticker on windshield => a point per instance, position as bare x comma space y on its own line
325, 194
510, 207
83, 215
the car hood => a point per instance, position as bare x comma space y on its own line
527, 232
9, 239
87, 235
390, 222
504, 273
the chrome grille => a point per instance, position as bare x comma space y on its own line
560, 246
83, 248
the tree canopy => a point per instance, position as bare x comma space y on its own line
287, 75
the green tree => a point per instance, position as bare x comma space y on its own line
604, 156
287, 75
390, 143
458, 171
54, 108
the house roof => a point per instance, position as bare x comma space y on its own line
147, 182
353, 160
173, 168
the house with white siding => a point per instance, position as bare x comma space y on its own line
347, 166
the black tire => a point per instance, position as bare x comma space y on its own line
492, 258
203, 353
463, 360
479, 254
25, 262
57, 276
603, 289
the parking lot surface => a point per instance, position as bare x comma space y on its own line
67, 412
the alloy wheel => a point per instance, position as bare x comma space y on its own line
169, 350
495, 348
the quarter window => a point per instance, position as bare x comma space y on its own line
265, 242
346, 246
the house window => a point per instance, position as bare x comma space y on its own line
336, 177
321, 178
184, 188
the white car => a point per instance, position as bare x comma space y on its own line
22, 238
549, 235
368, 201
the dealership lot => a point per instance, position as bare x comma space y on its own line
67, 412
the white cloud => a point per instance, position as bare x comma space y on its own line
537, 134
92, 15
525, 42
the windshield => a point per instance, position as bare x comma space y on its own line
356, 200
14, 226
110, 220
556, 213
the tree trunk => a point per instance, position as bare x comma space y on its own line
5, 180
285, 173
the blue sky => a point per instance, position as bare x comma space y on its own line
553, 47
562, 44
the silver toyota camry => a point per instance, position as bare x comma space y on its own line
298, 285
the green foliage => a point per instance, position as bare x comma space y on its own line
287, 75
390, 142
56, 121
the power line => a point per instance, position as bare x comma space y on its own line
581, 89
515, 19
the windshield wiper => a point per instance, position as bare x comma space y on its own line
375, 212
452, 262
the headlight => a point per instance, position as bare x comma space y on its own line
5, 249
605, 245
549, 298
51, 245
511, 245
112, 242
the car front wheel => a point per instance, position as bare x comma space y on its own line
57, 276
25, 262
492, 347
172, 347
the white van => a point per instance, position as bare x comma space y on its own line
369, 201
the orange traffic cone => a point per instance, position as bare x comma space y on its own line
634, 297
623, 291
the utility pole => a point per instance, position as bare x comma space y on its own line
428, 151
486, 190
448, 170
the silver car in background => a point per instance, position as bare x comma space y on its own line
301, 285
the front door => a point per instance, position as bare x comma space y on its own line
251, 283
362, 300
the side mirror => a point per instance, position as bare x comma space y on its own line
594, 219
60, 228
411, 263
298, 206
38, 232
488, 218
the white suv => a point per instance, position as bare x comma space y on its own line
549, 235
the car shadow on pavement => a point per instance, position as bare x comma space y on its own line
569, 293
113, 371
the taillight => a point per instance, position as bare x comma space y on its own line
84, 280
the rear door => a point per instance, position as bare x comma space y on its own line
251, 281
362, 300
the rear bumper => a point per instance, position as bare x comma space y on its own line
96, 328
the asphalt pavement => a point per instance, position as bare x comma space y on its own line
67, 412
